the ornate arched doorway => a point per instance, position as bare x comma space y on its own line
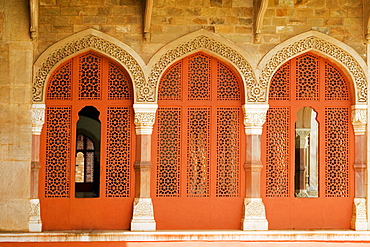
87, 146
308, 147
198, 146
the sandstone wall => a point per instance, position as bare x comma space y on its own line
16, 60
233, 19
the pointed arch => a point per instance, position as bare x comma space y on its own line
318, 42
209, 43
89, 39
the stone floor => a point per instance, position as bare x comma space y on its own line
189, 238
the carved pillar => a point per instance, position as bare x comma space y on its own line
143, 214
359, 122
34, 220
254, 217
301, 161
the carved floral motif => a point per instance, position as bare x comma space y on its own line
257, 91
143, 209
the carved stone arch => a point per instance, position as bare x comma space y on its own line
89, 39
320, 43
209, 43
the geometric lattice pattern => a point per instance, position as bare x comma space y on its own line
336, 87
307, 80
199, 81
89, 77
198, 152
336, 152
227, 84
280, 87
118, 83
60, 83
277, 152
228, 152
168, 152
58, 126
118, 152
170, 86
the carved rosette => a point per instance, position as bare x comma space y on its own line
203, 42
254, 118
143, 215
359, 215
144, 118
38, 117
359, 119
254, 217
311, 43
34, 218
144, 92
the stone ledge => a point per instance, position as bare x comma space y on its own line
168, 236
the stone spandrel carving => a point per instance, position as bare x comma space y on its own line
203, 42
144, 93
310, 43
38, 118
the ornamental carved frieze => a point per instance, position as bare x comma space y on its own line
144, 93
202, 42
310, 43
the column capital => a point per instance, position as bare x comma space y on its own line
144, 118
254, 118
359, 119
38, 118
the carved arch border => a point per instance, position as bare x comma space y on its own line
346, 56
80, 42
202, 41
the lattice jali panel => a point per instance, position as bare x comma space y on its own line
58, 143
60, 83
336, 152
168, 152
228, 152
119, 87
199, 81
89, 77
277, 151
336, 87
170, 84
198, 152
280, 87
307, 80
118, 152
228, 87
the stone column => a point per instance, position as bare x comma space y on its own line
254, 217
301, 147
359, 122
34, 220
143, 214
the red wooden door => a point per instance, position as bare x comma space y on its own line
198, 146
88, 81
308, 82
